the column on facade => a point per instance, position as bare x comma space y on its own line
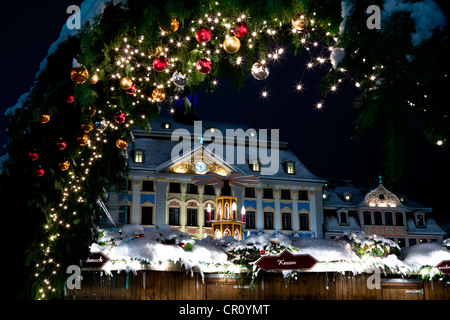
201, 211
136, 201
239, 194
259, 213
316, 211
277, 223
183, 206
295, 216
160, 202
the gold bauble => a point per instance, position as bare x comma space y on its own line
94, 79
158, 95
126, 83
299, 22
63, 166
174, 24
157, 51
44, 118
82, 141
87, 127
92, 110
79, 75
121, 144
231, 44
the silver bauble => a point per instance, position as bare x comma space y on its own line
179, 79
101, 125
260, 71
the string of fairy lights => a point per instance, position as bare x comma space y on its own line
159, 74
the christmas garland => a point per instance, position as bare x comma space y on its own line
68, 138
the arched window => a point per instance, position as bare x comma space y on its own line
399, 219
367, 218
378, 218
388, 218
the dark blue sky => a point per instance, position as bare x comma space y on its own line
320, 138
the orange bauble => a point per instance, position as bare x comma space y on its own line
82, 141
158, 95
79, 75
63, 166
44, 118
121, 144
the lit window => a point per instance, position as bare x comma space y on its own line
138, 156
420, 221
290, 167
166, 125
348, 197
255, 165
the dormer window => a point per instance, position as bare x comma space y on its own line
343, 217
347, 197
138, 156
420, 219
255, 165
211, 129
290, 167
166, 125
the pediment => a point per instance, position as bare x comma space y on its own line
382, 198
186, 164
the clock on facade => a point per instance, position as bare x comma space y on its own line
200, 167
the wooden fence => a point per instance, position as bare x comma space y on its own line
165, 285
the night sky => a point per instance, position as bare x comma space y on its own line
322, 139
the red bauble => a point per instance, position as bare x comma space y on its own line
160, 64
240, 30
204, 66
61, 145
182, 245
39, 172
33, 156
69, 99
132, 90
120, 117
203, 35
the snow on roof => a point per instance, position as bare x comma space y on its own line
359, 190
332, 225
431, 227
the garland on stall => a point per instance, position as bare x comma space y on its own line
68, 134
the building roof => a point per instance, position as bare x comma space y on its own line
331, 224
159, 147
431, 227
361, 193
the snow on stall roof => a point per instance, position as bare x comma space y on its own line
325, 250
133, 244
424, 254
